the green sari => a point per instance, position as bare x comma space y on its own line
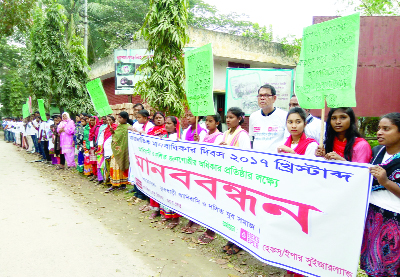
119, 146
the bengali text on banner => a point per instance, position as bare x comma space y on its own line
305, 215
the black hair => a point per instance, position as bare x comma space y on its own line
84, 114
173, 119
37, 112
394, 118
138, 104
156, 113
273, 91
110, 116
125, 115
57, 115
47, 114
144, 113
351, 133
238, 113
299, 111
217, 118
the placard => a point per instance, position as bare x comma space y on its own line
99, 97
42, 111
328, 64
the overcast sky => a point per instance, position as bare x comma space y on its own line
286, 16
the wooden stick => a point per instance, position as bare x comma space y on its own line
197, 120
321, 137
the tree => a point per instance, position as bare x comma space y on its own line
165, 29
58, 61
375, 7
15, 14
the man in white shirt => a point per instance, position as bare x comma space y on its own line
267, 126
313, 127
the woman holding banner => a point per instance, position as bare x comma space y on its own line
343, 142
380, 251
237, 137
297, 143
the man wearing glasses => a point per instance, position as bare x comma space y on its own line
267, 125
313, 127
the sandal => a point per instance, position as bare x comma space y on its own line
145, 208
154, 215
193, 229
227, 246
205, 239
233, 250
172, 225
187, 227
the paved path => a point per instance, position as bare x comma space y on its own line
44, 233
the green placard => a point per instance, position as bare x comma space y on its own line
42, 111
99, 98
25, 110
199, 70
328, 64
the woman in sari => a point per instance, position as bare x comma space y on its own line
107, 148
235, 136
380, 250
100, 150
66, 129
94, 130
160, 131
87, 166
343, 142
119, 165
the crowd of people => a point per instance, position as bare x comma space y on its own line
98, 148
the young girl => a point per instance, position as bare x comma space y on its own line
142, 125
343, 142
57, 146
87, 166
297, 142
174, 131
158, 130
100, 150
214, 136
380, 250
237, 137
119, 165
190, 132
79, 143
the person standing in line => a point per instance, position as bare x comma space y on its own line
100, 150
343, 142
66, 129
107, 148
35, 136
267, 126
380, 250
313, 124
119, 165
29, 132
235, 136
79, 129
137, 108
57, 144
94, 131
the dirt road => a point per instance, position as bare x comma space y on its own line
57, 223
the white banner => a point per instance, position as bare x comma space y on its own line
290, 211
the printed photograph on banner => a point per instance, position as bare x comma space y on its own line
327, 68
242, 87
294, 212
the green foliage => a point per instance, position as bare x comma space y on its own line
15, 14
165, 29
375, 7
205, 16
57, 61
12, 93
290, 44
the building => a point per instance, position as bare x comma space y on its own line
228, 50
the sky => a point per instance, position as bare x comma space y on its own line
288, 17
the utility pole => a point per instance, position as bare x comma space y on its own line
85, 24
